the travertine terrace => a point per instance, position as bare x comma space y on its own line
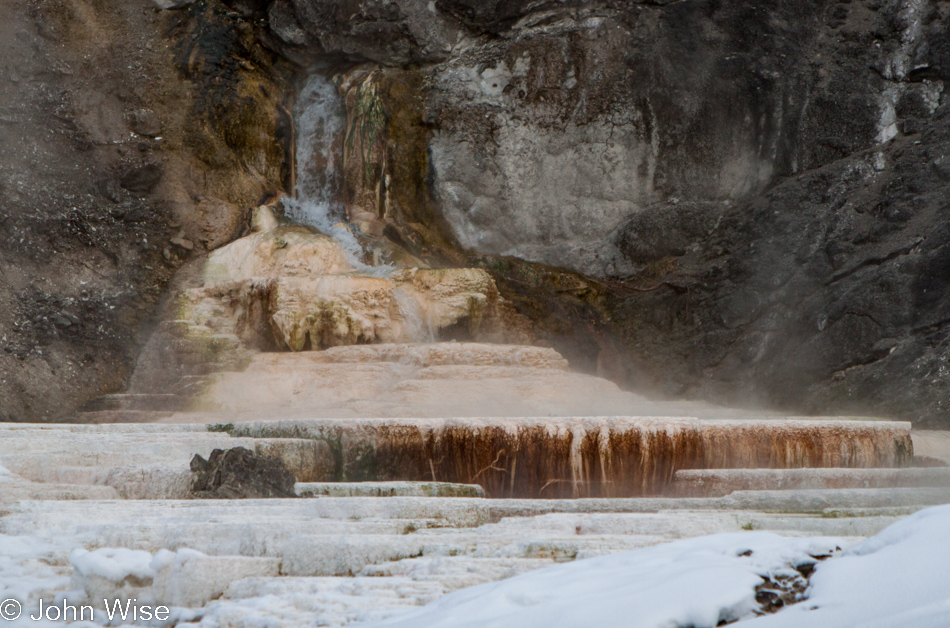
422, 467
346, 552
585, 456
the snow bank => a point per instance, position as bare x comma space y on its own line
184, 578
696, 582
115, 564
294, 602
899, 578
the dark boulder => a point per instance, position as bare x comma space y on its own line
239, 473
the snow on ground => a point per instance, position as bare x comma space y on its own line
899, 578
31, 568
321, 601
695, 582
114, 564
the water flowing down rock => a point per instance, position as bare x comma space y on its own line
744, 210
352, 306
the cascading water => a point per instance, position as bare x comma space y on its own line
320, 118
321, 124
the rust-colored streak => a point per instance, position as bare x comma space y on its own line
590, 456
799, 444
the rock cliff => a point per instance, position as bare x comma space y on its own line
131, 139
752, 194
731, 200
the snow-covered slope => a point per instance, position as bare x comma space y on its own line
901, 577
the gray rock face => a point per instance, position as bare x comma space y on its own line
169, 5
757, 184
555, 122
827, 292
579, 123
375, 30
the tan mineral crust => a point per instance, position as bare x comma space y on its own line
293, 289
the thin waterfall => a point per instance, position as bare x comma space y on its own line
320, 121
320, 118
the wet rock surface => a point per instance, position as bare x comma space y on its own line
239, 473
571, 457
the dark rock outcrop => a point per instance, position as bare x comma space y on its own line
239, 473
827, 293
391, 33
126, 133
